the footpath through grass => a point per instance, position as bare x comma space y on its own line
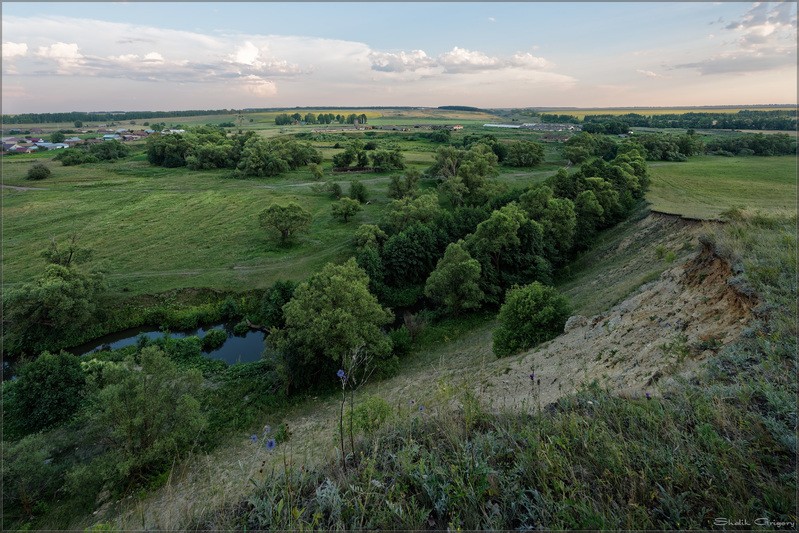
705, 186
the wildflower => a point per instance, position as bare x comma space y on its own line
413, 402
532, 376
421, 408
270, 444
267, 429
648, 396
254, 438
341, 375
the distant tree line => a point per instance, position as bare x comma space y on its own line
78, 116
777, 119
676, 147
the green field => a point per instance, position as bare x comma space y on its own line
649, 111
706, 186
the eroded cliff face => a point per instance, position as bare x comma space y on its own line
666, 327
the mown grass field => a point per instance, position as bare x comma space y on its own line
706, 186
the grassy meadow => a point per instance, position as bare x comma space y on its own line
649, 111
706, 186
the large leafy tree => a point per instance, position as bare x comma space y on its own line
286, 220
524, 154
454, 282
56, 306
47, 392
331, 317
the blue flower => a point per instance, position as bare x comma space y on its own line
254, 438
341, 375
421, 407
532, 376
270, 444
648, 396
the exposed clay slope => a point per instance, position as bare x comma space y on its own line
665, 327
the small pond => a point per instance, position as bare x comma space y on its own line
237, 349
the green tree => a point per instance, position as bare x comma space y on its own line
405, 185
57, 137
287, 220
316, 171
406, 211
56, 306
47, 392
331, 318
279, 294
524, 154
589, 217
38, 171
530, 315
535, 200
259, 160
358, 191
369, 236
67, 253
560, 223
345, 209
149, 413
454, 282
79, 124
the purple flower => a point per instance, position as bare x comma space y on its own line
532, 376
648, 396
254, 438
270, 444
421, 408
341, 375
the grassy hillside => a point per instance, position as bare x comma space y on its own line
705, 186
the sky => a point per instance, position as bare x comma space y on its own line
129, 56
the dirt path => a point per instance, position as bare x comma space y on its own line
667, 326
15, 188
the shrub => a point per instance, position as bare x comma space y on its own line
214, 338
531, 314
241, 329
345, 209
369, 415
38, 171
402, 340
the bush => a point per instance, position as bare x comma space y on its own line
369, 415
402, 341
241, 329
38, 171
531, 314
214, 338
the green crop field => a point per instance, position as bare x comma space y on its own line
706, 186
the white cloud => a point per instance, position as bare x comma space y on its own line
400, 61
649, 73
491, 19
154, 56
14, 50
66, 55
528, 60
246, 54
463, 60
